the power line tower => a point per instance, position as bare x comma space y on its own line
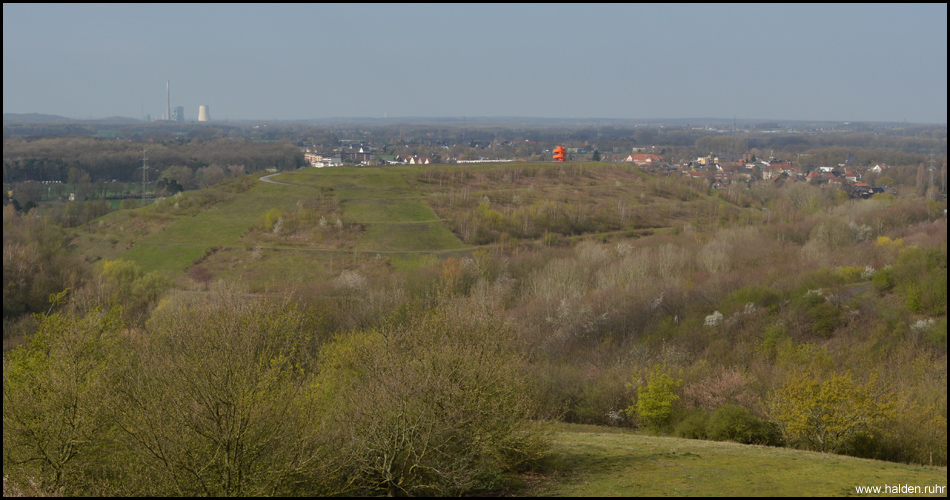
932, 169
144, 173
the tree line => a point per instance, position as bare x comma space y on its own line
61, 158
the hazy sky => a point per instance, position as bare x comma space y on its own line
852, 62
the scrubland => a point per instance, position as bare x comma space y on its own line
404, 330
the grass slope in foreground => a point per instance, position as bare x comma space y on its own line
597, 461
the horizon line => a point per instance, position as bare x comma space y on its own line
464, 118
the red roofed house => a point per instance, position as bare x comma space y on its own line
644, 159
771, 171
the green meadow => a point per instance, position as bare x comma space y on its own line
599, 461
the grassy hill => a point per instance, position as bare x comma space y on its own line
600, 461
403, 216
221, 228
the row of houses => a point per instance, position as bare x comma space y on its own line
780, 171
352, 155
411, 160
719, 173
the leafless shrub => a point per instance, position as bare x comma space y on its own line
669, 260
567, 324
725, 386
623, 248
351, 280
593, 255
559, 279
714, 256
670, 354
629, 272
801, 196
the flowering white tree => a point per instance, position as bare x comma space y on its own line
714, 319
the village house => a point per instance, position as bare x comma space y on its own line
771, 171
644, 159
794, 171
832, 177
420, 160
413, 160
864, 190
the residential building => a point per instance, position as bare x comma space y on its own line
319, 160
642, 159
361, 155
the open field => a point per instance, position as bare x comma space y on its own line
599, 461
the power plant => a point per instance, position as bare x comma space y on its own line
178, 113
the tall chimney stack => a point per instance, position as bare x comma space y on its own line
168, 101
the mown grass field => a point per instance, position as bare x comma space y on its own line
599, 461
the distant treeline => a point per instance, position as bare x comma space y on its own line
50, 159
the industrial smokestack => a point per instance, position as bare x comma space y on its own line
168, 101
204, 115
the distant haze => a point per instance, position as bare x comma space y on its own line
852, 62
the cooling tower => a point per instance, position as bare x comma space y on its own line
203, 114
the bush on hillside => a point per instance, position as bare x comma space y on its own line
736, 423
434, 405
655, 398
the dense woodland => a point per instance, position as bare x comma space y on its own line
782, 315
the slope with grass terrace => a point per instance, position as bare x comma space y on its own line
302, 224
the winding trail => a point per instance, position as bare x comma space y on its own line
266, 178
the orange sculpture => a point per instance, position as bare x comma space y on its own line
559, 154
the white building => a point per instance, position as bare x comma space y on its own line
318, 160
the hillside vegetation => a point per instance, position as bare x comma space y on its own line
397, 330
